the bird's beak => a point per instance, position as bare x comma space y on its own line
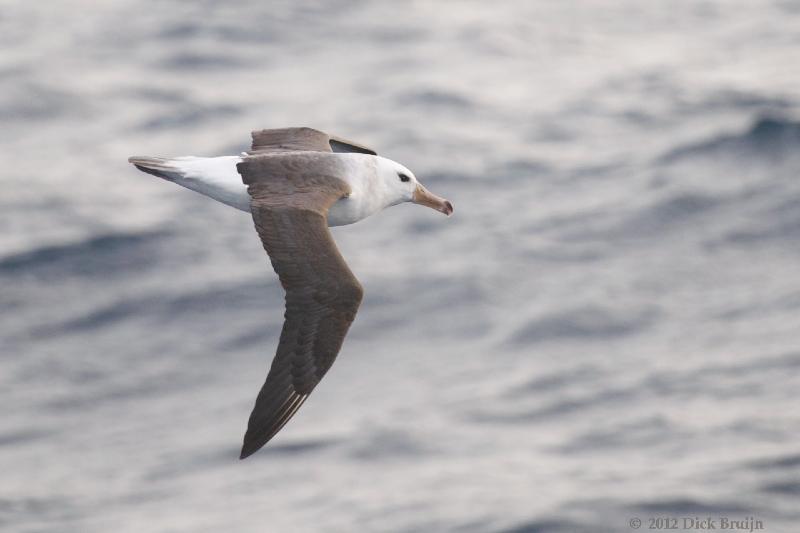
423, 196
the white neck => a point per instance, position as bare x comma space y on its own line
369, 195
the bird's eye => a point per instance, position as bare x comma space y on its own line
404, 178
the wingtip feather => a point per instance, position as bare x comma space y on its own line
245, 455
257, 436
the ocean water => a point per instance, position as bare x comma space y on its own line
607, 329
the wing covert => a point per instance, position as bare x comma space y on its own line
302, 139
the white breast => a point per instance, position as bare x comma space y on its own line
360, 172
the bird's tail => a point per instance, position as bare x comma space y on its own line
215, 177
157, 166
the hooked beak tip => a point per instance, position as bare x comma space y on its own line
448, 208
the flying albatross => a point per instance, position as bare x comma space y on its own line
296, 182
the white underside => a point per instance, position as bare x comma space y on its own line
217, 178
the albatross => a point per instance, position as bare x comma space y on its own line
295, 182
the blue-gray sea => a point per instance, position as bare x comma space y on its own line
607, 329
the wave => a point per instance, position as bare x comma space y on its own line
688, 507
591, 322
104, 255
775, 222
555, 381
435, 98
386, 444
22, 437
768, 136
635, 434
757, 215
556, 408
201, 62
552, 526
788, 488
209, 303
589, 234
780, 462
676, 211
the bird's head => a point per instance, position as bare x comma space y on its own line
404, 187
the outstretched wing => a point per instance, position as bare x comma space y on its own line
304, 139
289, 209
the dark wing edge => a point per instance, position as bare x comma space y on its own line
303, 139
322, 298
340, 145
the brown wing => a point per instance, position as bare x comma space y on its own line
322, 295
303, 139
